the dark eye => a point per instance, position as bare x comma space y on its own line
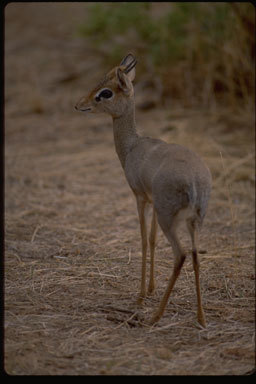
106, 94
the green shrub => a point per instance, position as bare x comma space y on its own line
204, 38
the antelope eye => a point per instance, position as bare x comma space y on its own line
106, 94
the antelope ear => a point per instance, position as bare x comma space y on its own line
127, 59
122, 81
128, 63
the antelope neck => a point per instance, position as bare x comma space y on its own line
125, 134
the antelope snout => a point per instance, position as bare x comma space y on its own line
82, 106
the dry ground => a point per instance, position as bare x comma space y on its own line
72, 242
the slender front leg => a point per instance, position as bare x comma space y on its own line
143, 230
152, 242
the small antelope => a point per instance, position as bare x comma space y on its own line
170, 177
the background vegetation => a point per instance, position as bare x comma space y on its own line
203, 52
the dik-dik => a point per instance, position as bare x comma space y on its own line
170, 177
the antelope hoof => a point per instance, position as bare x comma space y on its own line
154, 319
201, 320
140, 300
151, 290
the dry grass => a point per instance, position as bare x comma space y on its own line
72, 243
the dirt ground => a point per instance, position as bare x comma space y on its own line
72, 241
